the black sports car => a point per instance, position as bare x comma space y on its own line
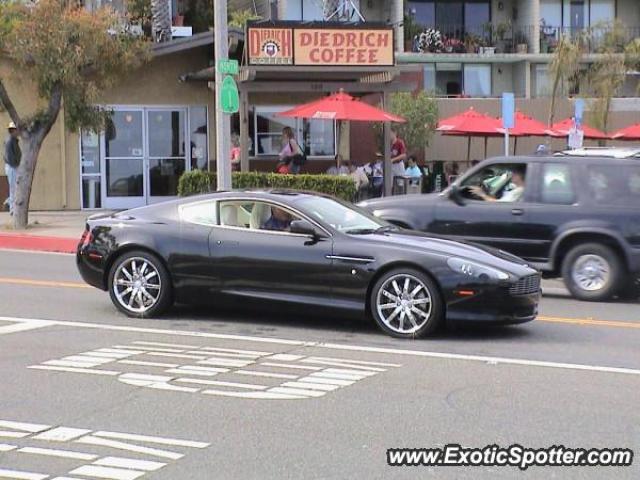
303, 248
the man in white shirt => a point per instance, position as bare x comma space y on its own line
513, 195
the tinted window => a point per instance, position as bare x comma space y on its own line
614, 184
557, 187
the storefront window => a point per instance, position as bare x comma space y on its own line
199, 141
90, 169
317, 136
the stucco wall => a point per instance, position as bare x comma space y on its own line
628, 12
154, 84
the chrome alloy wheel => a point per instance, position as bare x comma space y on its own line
591, 272
403, 303
136, 284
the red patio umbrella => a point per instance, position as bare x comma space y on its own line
471, 124
631, 132
563, 127
526, 126
341, 106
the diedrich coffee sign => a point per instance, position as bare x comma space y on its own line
303, 45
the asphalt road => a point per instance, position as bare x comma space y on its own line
246, 392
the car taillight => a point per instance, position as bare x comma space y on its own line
86, 238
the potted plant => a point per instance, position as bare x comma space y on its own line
429, 41
488, 46
472, 43
503, 32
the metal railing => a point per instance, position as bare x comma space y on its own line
508, 38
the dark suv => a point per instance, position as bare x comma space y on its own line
572, 217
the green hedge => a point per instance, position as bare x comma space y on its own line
197, 181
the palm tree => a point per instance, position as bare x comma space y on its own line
161, 20
563, 67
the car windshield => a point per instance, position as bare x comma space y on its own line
341, 217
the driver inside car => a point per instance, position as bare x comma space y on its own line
513, 195
280, 220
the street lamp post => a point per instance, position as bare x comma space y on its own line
223, 126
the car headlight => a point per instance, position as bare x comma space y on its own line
476, 270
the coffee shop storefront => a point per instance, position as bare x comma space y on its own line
289, 63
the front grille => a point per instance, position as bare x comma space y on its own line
526, 285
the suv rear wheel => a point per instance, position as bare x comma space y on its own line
592, 272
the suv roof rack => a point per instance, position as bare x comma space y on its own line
611, 152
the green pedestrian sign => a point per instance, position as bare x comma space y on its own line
229, 97
228, 67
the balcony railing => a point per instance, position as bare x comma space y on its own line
499, 38
486, 38
595, 39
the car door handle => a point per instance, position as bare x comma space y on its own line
517, 211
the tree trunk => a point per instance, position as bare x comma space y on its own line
24, 179
161, 20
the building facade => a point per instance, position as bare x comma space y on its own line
163, 121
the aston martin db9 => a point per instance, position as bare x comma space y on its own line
300, 248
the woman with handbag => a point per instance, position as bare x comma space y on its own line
292, 155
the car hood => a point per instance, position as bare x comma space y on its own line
420, 242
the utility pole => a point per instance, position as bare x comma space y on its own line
223, 127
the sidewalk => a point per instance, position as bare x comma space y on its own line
52, 231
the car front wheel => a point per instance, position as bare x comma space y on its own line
592, 272
139, 285
406, 303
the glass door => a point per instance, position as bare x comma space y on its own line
167, 151
123, 157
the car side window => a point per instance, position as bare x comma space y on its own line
497, 182
619, 185
256, 216
203, 213
557, 187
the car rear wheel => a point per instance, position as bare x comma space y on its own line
405, 303
592, 272
139, 285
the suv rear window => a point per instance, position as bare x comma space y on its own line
557, 187
614, 184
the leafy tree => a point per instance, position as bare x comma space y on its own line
68, 54
421, 112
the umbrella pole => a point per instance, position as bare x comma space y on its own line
486, 139
515, 144
468, 147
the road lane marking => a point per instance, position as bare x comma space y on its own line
50, 452
130, 447
43, 283
24, 326
103, 461
61, 434
341, 347
107, 472
173, 376
589, 321
16, 475
27, 427
120, 462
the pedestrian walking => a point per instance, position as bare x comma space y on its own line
12, 157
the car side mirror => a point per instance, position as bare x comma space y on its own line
455, 195
304, 227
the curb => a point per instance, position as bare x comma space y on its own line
38, 243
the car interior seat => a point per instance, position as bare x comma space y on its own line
229, 215
259, 215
